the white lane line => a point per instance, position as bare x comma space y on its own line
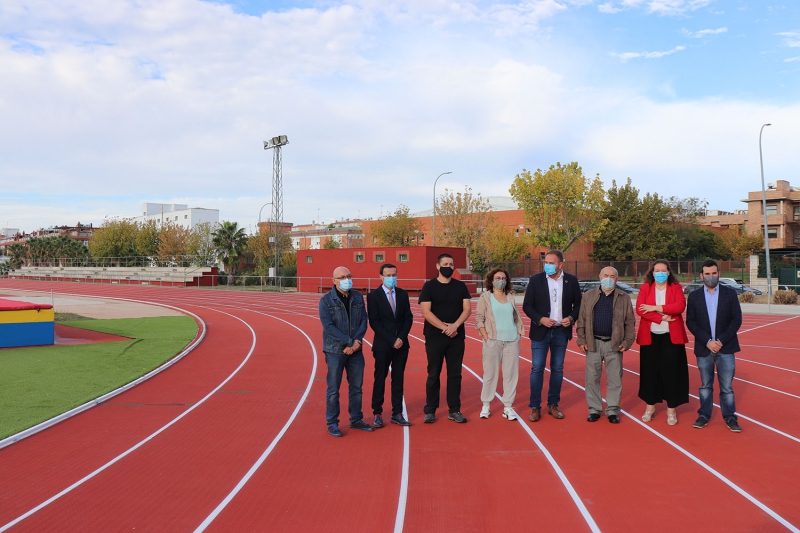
770, 347
769, 324
771, 366
400, 517
703, 465
560, 473
739, 414
140, 443
210, 518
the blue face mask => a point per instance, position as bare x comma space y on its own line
346, 284
390, 282
660, 277
607, 283
550, 269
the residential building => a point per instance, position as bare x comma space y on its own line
179, 214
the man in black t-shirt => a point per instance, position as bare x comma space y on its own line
445, 304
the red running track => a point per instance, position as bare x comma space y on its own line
232, 438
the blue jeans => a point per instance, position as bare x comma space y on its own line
556, 341
337, 363
726, 368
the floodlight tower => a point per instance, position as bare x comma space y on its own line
275, 145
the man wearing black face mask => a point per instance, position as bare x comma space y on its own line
445, 304
714, 315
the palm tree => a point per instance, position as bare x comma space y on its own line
18, 252
229, 242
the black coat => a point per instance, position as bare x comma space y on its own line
537, 303
388, 326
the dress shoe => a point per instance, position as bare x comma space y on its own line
594, 417
553, 411
536, 414
334, 431
509, 413
700, 423
378, 423
399, 420
430, 418
457, 417
614, 419
360, 424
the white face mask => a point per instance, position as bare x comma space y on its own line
499, 284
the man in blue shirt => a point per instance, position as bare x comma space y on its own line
344, 323
713, 315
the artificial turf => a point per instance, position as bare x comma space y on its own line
39, 383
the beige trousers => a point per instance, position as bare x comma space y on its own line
496, 354
594, 369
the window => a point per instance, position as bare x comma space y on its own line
185, 217
176, 217
797, 237
379, 258
772, 233
797, 212
542, 256
402, 258
772, 209
374, 240
359, 257
528, 231
308, 259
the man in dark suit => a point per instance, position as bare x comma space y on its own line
390, 318
552, 302
713, 315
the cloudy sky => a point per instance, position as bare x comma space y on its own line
106, 104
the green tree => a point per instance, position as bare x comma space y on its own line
736, 243
398, 229
18, 253
230, 243
173, 240
201, 243
636, 228
462, 218
333, 244
148, 238
115, 238
562, 204
503, 246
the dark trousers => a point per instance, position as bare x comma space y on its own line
440, 349
397, 359
337, 365
663, 372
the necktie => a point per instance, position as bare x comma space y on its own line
391, 301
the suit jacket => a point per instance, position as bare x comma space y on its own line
675, 305
729, 320
537, 303
388, 326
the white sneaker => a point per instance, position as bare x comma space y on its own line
485, 410
509, 413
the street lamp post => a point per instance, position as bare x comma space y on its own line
434, 205
262, 208
766, 231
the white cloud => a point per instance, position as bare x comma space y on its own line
703, 33
791, 38
675, 7
625, 56
792, 59
608, 8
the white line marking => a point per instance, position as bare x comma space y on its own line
560, 473
400, 517
210, 518
141, 443
771, 366
769, 324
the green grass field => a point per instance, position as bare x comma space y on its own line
39, 383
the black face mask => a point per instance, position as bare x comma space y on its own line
446, 271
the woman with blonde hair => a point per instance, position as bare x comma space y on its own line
663, 368
500, 325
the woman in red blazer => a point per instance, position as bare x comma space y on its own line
663, 368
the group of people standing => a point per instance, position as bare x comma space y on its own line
554, 303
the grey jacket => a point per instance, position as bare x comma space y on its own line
484, 318
623, 326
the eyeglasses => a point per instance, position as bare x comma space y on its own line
555, 295
349, 276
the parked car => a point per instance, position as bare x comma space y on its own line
692, 286
627, 288
738, 286
519, 284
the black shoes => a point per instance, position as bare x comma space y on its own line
593, 417
400, 420
378, 422
360, 424
700, 423
430, 418
334, 431
614, 419
733, 425
457, 417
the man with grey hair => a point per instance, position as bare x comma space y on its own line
606, 328
344, 323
